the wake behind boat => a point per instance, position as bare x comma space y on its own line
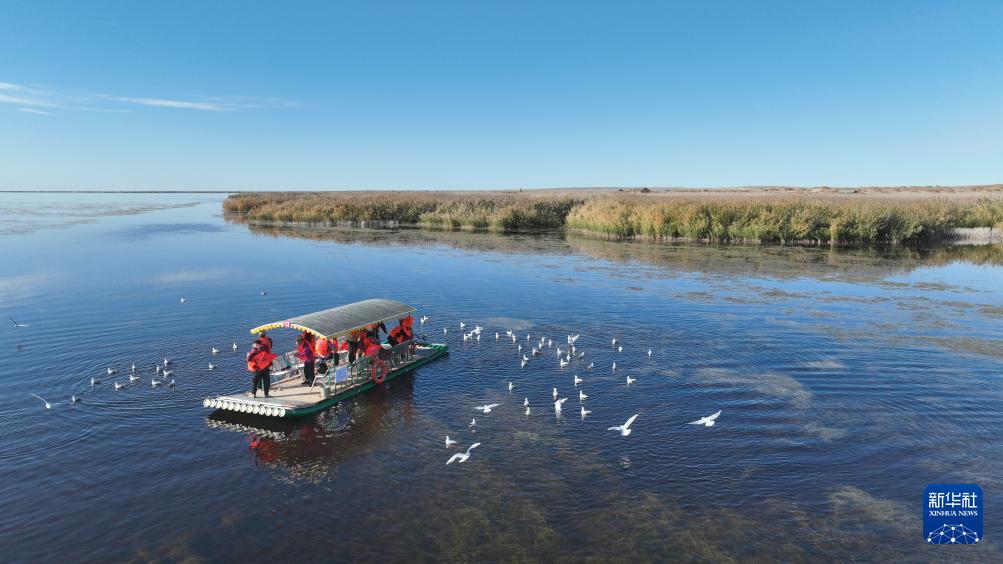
339, 376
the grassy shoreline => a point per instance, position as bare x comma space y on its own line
768, 215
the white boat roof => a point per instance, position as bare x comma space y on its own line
342, 320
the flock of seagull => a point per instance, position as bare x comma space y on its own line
565, 357
159, 378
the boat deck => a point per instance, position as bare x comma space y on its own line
292, 394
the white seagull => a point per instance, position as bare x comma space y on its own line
497, 336
235, 345
119, 385
168, 373
95, 382
508, 333
578, 380
215, 351
510, 386
133, 366
564, 363
585, 412
133, 377
631, 380
581, 396
154, 382
706, 421
487, 408
74, 399
111, 371
614, 342
449, 442
462, 456
625, 428
591, 364
619, 349
47, 406
183, 300
558, 404
167, 361
212, 366
525, 402
462, 325
523, 365
443, 330
527, 410
423, 319
614, 367
18, 325
555, 393
649, 353
473, 423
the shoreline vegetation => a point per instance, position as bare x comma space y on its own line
906, 215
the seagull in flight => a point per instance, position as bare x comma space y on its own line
16, 324
625, 428
462, 325
47, 406
154, 382
706, 421
449, 442
462, 456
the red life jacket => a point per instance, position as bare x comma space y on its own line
260, 360
323, 347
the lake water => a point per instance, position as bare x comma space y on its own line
848, 380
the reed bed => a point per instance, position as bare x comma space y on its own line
784, 217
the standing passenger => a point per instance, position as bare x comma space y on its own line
259, 361
304, 352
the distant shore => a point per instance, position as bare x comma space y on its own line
821, 215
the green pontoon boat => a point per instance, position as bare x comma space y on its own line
291, 397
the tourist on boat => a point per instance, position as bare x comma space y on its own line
354, 345
323, 349
265, 341
259, 361
304, 352
402, 333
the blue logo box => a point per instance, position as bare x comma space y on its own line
953, 514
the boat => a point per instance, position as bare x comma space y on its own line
291, 397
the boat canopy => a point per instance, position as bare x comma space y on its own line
342, 320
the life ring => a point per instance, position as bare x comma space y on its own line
378, 370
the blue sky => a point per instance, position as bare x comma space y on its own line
381, 95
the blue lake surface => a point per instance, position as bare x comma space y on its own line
848, 380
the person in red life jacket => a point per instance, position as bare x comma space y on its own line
304, 352
406, 323
265, 341
259, 361
354, 345
323, 349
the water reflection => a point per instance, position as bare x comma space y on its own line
783, 262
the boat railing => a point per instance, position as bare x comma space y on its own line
361, 370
